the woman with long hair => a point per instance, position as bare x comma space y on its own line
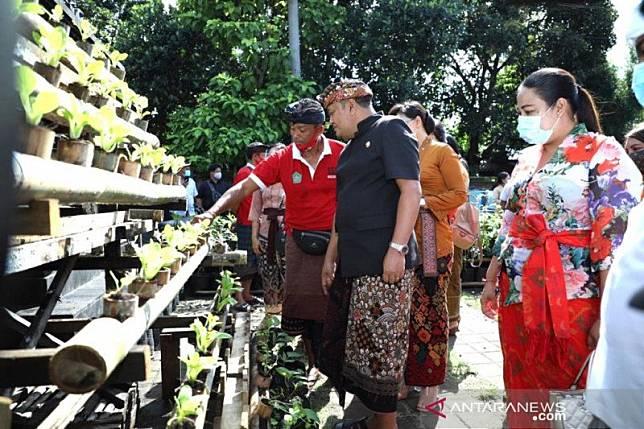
444, 189
571, 192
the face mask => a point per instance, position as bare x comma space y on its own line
186, 173
638, 159
217, 176
310, 144
529, 129
637, 82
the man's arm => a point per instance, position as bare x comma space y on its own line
407, 212
231, 198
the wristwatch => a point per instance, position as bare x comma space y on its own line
402, 248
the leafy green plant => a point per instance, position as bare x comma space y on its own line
194, 365
86, 29
53, 41
126, 94
87, 71
112, 131
76, 114
149, 156
35, 104
228, 285
140, 104
21, 6
221, 229
174, 237
169, 255
116, 58
151, 259
293, 384
299, 417
186, 404
57, 13
206, 337
177, 163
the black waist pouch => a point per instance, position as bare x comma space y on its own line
312, 242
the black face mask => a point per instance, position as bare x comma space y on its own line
638, 158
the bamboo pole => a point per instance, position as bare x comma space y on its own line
38, 179
84, 362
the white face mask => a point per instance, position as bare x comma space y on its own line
529, 129
217, 176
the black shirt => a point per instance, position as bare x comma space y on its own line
383, 150
210, 192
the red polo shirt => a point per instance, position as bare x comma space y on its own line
310, 193
243, 211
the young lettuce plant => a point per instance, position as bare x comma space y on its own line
116, 58
194, 365
21, 6
177, 163
57, 14
169, 255
186, 405
86, 29
149, 156
76, 115
151, 260
87, 71
140, 103
53, 42
112, 132
228, 285
205, 337
35, 104
174, 237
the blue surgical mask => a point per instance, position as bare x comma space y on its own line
637, 82
529, 129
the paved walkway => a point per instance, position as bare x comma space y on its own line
473, 391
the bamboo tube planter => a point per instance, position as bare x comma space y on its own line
84, 362
39, 178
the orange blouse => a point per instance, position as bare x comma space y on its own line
444, 188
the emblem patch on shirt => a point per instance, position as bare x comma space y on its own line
331, 173
367, 145
297, 178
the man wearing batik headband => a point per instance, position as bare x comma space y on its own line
306, 170
367, 327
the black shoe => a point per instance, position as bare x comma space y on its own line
352, 424
241, 307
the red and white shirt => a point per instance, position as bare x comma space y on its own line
244, 207
310, 192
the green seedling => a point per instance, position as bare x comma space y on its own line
149, 156
186, 405
53, 41
77, 116
87, 71
86, 29
57, 13
112, 131
151, 259
116, 58
35, 104
205, 338
21, 6
228, 285
140, 103
174, 237
194, 365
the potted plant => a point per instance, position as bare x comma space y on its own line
53, 42
176, 164
38, 141
228, 285
87, 72
127, 96
111, 133
56, 18
205, 338
75, 150
116, 59
297, 416
119, 304
21, 6
129, 164
166, 166
222, 236
195, 366
102, 89
171, 258
187, 405
140, 105
154, 261
147, 284
150, 159
87, 30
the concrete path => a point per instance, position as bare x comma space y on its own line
473, 392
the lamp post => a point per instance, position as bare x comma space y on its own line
294, 37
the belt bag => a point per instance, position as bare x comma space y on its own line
312, 242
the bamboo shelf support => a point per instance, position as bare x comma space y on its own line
39, 179
84, 362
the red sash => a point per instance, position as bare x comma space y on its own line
542, 276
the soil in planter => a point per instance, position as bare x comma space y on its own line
145, 290
129, 168
173, 423
77, 152
147, 173
51, 74
124, 113
81, 92
38, 141
106, 160
120, 306
98, 101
